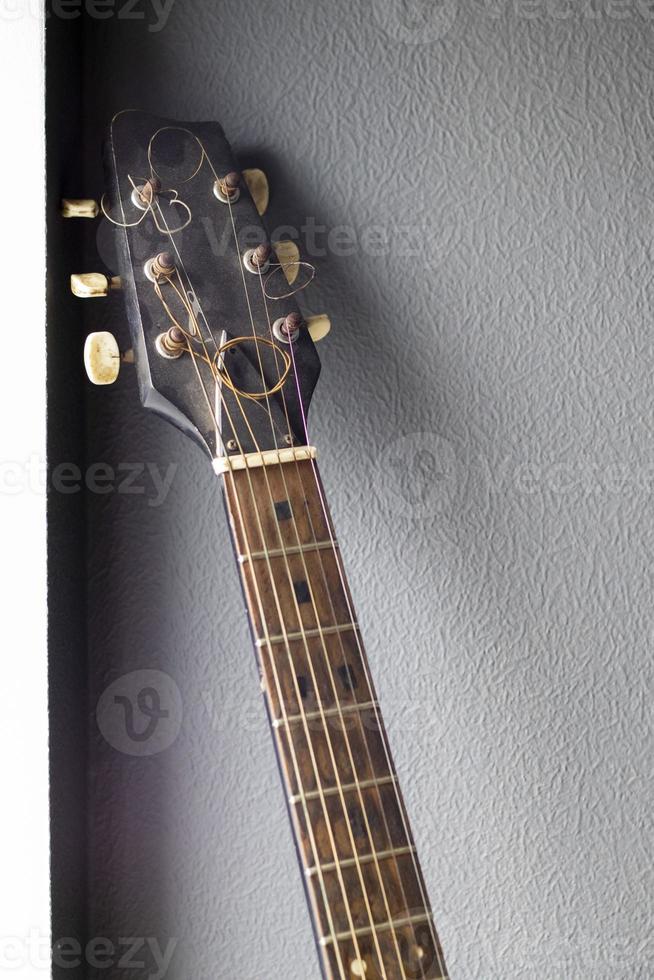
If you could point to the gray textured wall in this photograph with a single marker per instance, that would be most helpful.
(485, 422)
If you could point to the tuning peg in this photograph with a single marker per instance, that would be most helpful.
(102, 358)
(318, 326)
(79, 208)
(288, 256)
(258, 187)
(88, 285)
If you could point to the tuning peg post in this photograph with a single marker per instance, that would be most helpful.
(287, 329)
(90, 285)
(79, 208)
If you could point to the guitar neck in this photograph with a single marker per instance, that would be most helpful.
(366, 892)
(223, 352)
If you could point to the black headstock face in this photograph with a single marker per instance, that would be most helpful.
(209, 323)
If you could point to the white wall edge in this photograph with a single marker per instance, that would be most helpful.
(24, 820)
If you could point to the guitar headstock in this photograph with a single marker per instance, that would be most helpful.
(219, 343)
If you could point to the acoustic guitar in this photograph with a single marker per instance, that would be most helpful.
(222, 351)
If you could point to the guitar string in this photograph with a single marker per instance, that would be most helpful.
(370, 688)
(396, 789)
(358, 717)
(262, 615)
(298, 613)
(402, 809)
(338, 560)
(344, 729)
(298, 776)
(313, 601)
(282, 467)
(362, 656)
(301, 624)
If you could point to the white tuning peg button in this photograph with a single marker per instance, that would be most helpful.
(101, 358)
(258, 187)
(318, 326)
(288, 256)
(79, 208)
(88, 285)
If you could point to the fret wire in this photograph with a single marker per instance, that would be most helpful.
(365, 930)
(325, 713)
(384, 740)
(347, 788)
(293, 550)
(309, 633)
(391, 852)
(275, 595)
(339, 711)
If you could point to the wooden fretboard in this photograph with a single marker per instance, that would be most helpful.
(366, 892)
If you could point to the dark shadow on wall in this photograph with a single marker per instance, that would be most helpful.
(66, 523)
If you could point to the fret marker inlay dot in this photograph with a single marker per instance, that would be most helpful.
(302, 593)
(358, 968)
(302, 686)
(283, 510)
(356, 821)
(347, 676)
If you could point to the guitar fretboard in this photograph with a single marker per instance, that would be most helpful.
(366, 891)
